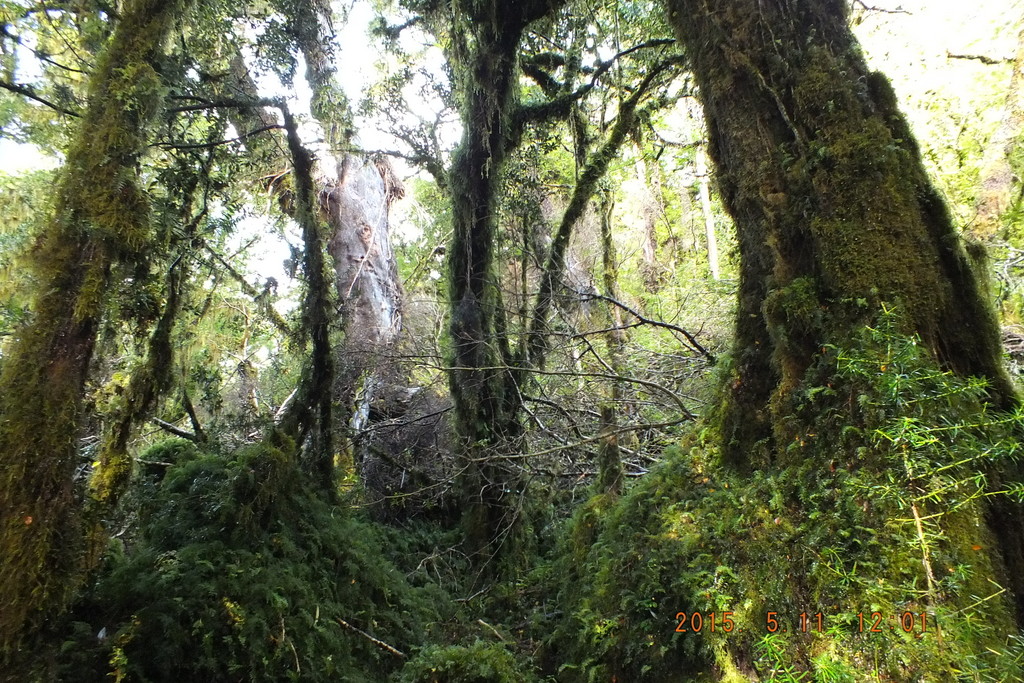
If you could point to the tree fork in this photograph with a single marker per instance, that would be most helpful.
(485, 399)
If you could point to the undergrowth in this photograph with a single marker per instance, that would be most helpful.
(861, 555)
(239, 570)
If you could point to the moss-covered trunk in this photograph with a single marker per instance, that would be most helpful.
(486, 35)
(480, 388)
(100, 222)
(834, 216)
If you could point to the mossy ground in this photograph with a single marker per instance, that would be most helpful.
(239, 570)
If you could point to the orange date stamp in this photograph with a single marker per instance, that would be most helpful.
(915, 623)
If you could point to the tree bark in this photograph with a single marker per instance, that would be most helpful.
(366, 276)
(834, 214)
(825, 182)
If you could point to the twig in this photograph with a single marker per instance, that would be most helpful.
(493, 630)
(869, 8)
(474, 595)
(379, 643)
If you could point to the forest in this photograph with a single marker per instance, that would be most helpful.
(496, 341)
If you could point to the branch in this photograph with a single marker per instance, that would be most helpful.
(29, 92)
(379, 643)
(687, 414)
(554, 267)
(197, 427)
(864, 6)
(560, 105)
(980, 58)
(218, 143)
(658, 323)
(257, 296)
(229, 103)
(177, 431)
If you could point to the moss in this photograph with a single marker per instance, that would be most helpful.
(240, 569)
(878, 436)
(99, 218)
(478, 663)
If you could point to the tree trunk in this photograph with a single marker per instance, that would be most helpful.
(367, 281)
(482, 384)
(704, 191)
(824, 180)
(356, 205)
(101, 222)
(652, 210)
(609, 467)
(834, 216)
(480, 389)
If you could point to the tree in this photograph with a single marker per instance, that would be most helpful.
(100, 223)
(997, 179)
(487, 37)
(835, 217)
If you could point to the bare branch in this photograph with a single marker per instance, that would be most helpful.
(29, 92)
(657, 323)
(177, 431)
(984, 59)
(869, 8)
(379, 643)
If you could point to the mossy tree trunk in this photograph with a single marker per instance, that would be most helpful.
(610, 473)
(834, 216)
(486, 35)
(98, 230)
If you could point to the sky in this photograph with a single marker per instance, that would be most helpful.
(917, 32)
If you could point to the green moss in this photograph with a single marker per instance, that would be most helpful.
(100, 218)
(241, 570)
(874, 504)
(478, 663)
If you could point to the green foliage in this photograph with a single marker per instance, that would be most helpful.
(24, 203)
(477, 663)
(875, 506)
(240, 571)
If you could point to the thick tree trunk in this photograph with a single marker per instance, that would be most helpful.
(100, 222)
(823, 178)
(834, 216)
(367, 281)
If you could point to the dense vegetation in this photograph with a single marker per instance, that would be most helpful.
(465, 367)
